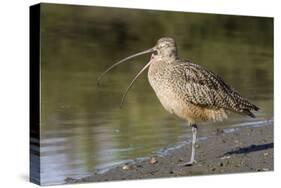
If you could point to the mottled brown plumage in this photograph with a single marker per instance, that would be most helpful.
(188, 90)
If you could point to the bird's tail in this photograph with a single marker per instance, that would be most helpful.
(248, 111)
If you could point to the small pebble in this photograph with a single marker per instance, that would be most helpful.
(225, 157)
(153, 160)
(265, 154)
(180, 160)
(126, 167)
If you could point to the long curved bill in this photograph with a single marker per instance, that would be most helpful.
(151, 50)
(132, 82)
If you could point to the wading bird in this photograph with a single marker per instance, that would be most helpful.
(188, 90)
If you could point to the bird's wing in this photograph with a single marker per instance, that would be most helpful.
(205, 88)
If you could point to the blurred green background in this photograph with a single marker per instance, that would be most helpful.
(82, 127)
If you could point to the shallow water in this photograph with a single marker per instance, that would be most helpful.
(82, 127)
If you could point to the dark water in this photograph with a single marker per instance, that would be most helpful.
(82, 127)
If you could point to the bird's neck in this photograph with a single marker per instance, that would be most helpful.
(163, 58)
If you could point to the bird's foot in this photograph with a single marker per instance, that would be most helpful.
(190, 163)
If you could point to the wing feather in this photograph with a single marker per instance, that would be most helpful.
(207, 89)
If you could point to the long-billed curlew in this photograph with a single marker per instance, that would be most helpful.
(188, 90)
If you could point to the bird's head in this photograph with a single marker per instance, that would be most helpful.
(165, 49)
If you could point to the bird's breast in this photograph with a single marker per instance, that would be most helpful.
(158, 77)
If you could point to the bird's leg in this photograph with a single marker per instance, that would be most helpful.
(192, 158)
(194, 135)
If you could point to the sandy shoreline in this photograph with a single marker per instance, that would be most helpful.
(249, 149)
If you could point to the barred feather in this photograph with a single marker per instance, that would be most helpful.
(205, 88)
